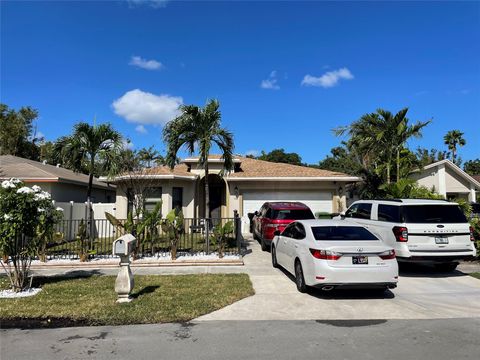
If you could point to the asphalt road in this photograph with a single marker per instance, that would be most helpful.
(322, 339)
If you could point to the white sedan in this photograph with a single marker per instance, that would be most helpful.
(328, 254)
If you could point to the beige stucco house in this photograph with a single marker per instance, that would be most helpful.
(448, 179)
(245, 189)
(63, 185)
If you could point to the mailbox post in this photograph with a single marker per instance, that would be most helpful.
(123, 247)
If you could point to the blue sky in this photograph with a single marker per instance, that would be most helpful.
(285, 73)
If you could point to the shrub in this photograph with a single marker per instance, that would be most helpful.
(27, 223)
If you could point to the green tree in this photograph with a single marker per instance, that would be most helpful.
(452, 139)
(472, 167)
(149, 156)
(280, 156)
(17, 133)
(426, 157)
(199, 128)
(382, 136)
(87, 147)
(341, 160)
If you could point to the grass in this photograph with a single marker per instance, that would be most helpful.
(91, 300)
(476, 275)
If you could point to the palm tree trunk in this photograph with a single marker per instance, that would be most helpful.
(388, 171)
(207, 192)
(398, 164)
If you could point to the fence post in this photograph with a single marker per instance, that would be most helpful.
(207, 235)
(238, 230)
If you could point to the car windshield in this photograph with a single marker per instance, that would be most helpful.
(433, 214)
(341, 233)
(292, 214)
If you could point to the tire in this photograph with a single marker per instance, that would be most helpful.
(274, 257)
(446, 267)
(299, 278)
(263, 244)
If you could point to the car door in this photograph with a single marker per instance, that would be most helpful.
(282, 247)
(360, 213)
(294, 244)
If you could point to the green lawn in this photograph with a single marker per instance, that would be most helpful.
(91, 300)
(475, 275)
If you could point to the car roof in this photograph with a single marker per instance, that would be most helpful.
(283, 205)
(327, 222)
(400, 202)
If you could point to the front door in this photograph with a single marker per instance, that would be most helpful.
(215, 202)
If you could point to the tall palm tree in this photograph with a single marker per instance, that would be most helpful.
(198, 129)
(381, 136)
(149, 156)
(87, 148)
(452, 139)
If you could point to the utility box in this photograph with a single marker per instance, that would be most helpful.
(124, 245)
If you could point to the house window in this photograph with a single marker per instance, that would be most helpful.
(152, 197)
(177, 198)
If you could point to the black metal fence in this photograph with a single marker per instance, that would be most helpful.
(78, 238)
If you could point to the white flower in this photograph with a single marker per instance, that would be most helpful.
(7, 216)
(41, 210)
(42, 196)
(36, 188)
(24, 190)
(59, 209)
(7, 184)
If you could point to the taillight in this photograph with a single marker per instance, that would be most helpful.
(387, 255)
(401, 233)
(472, 238)
(325, 254)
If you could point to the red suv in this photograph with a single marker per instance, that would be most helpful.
(276, 216)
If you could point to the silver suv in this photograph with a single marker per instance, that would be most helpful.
(428, 231)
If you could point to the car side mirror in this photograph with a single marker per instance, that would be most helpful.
(276, 232)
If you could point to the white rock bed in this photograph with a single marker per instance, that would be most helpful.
(153, 259)
(10, 294)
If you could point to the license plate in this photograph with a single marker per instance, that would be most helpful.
(441, 240)
(358, 260)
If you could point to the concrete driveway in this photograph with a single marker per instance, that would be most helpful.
(421, 294)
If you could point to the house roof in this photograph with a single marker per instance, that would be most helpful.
(249, 169)
(456, 169)
(476, 177)
(34, 171)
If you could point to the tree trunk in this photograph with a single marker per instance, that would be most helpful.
(89, 209)
(207, 193)
(398, 165)
(454, 155)
(388, 172)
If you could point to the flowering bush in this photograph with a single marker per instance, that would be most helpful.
(27, 221)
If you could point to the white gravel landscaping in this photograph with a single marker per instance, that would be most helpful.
(10, 294)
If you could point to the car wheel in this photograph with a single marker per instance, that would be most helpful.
(446, 267)
(264, 245)
(299, 278)
(274, 257)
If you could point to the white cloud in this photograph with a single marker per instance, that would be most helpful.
(156, 4)
(145, 64)
(141, 129)
(141, 107)
(329, 79)
(271, 82)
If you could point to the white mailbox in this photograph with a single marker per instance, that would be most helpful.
(124, 245)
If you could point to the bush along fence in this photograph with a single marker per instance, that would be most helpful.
(161, 237)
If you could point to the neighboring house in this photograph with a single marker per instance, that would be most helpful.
(448, 179)
(245, 189)
(63, 185)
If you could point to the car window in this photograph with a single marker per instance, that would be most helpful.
(351, 210)
(268, 213)
(292, 214)
(389, 213)
(288, 231)
(433, 214)
(359, 211)
(341, 233)
(298, 231)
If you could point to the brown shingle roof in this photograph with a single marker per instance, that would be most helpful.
(30, 170)
(259, 168)
(476, 177)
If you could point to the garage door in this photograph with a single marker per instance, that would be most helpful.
(320, 201)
